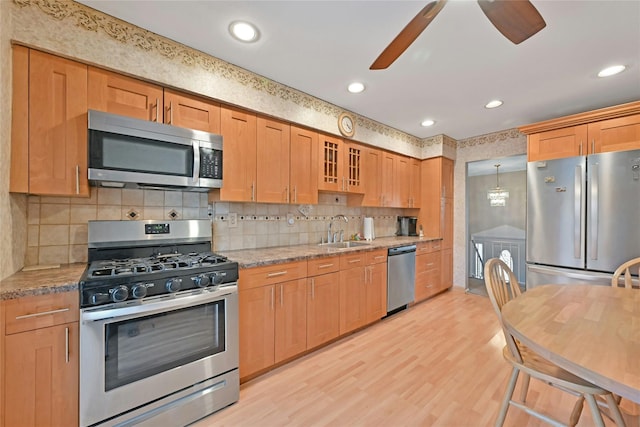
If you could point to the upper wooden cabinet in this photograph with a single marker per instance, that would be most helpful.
(609, 129)
(119, 94)
(49, 128)
(372, 176)
(401, 173)
(273, 145)
(436, 208)
(415, 168)
(303, 166)
(127, 96)
(340, 165)
(238, 128)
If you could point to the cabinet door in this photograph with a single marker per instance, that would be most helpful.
(558, 143)
(303, 166)
(57, 126)
(446, 222)
(323, 309)
(41, 373)
(273, 142)
(19, 178)
(372, 177)
(388, 165)
(352, 299)
(257, 323)
(447, 177)
(401, 182)
(291, 319)
(431, 189)
(238, 130)
(331, 158)
(414, 183)
(618, 134)
(189, 111)
(352, 169)
(118, 94)
(428, 276)
(446, 269)
(376, 298)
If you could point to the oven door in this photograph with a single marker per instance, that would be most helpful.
(131, 355)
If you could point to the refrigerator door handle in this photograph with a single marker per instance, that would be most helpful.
(577, 213)
(593, 222)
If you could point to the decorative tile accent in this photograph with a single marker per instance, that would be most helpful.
(133, 214)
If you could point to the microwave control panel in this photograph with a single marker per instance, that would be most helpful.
(210, 163)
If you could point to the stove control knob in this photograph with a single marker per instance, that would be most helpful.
(173, 285)
(201, 281)
(139, 290)
(119, 293)
(217, 277)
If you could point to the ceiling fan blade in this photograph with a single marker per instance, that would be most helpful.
(517, 20)
(408, 35)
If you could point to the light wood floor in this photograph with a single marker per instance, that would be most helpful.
(439, 363)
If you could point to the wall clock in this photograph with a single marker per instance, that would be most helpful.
(347, 124)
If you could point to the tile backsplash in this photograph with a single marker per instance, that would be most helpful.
(57, 226)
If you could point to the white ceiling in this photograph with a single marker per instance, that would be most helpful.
(458, 64)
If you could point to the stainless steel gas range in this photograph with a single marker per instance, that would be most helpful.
(158, 325)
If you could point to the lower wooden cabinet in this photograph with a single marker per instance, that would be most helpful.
(323, 309)
(40, 352)
(291, 319)
(428, 270)
(376, 286)
(257, 329)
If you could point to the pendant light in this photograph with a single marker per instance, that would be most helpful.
(497, 196)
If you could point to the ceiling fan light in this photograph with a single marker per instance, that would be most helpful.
(493, 104)
(355, 87)
(244, 31)
(427, 123)
(611, 71)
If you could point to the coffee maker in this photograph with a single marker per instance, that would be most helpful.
(407, 226)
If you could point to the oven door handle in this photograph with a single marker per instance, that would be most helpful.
(159, 305)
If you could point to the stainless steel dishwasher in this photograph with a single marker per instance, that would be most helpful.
(401, 277)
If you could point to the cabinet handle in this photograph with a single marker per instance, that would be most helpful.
(295, 194)
(325, 266)
(313, 288)
(279, 273)
(66, 345)
(281, 296)
(378, 257)
(42, 313)
(77, 179)
(157, 110)
(354, 261)
(171, 113)
(272, 299)
(253, 191)
(286, 194)
(593, 146)
(580, 149)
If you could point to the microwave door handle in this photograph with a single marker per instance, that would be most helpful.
(196, 162)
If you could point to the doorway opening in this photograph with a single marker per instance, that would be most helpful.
(496, 217)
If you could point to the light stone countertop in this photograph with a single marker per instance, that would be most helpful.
(66, 277)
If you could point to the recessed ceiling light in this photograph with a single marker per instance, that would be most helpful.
(610, 71)
(244, 31)
(493, 104)
(355, 87)
(427, 123)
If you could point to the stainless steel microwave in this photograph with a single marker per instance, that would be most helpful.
(133, 153)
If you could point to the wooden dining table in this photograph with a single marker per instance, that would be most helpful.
(591, 331)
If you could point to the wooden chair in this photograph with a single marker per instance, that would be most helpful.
(502, 286)
(626, 270)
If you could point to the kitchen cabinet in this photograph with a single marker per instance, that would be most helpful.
(272, 319)
(352, 292)
(272, 176)
(375, 285)
(401, 173)
(372, 177)
(127, 96)
(415, 197)
(428, 270)
(41, 361)
(614, 128)
(388, 167)
(340, 165)
(239, 133)
(49, 125)
(303, 166)
(323, 301)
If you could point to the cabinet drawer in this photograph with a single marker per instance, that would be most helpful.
(356, 259)
(324, 265)
(41, 311)
(376, 257)
(428, 247)
(429, 261)
(270, 274)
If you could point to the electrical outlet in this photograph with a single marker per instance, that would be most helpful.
(233, 220)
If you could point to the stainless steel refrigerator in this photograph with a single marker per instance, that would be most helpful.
(583, 217)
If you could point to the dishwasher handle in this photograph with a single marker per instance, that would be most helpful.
(401, 250)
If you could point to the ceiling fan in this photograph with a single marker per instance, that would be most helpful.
(517, 20)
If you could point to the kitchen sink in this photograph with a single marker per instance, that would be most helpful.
(343, 245)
